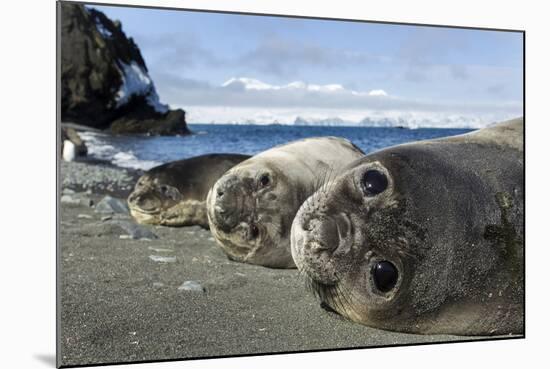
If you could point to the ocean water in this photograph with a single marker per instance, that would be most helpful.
(142, 152)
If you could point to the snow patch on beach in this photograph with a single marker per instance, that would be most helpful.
(99, 148)
(136, 82)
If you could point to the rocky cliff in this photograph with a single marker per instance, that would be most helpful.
(104, 79)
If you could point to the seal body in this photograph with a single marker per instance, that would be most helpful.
(174, 194)
(251, 207)
(424, 237)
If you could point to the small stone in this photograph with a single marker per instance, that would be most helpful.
(158, 249)
(135, 231)
(67, 191)
(158, 284)
(111, 205)
(163, 259)
(124, 237)
(87, 201)
(84, 216)
(105, 218)
(192, 286)
(66, 199)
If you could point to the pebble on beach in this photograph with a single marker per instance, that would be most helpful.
(163, 259)
(111, 205)
(134, 231)
(69, 200)
(191, 286)
(76, 199)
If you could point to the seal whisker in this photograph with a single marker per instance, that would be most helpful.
(347, 296)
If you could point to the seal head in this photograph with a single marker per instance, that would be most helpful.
(153, 194)
(422, 238)
(251, 208)
(174, 194)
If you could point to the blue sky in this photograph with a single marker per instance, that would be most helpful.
(417, 69)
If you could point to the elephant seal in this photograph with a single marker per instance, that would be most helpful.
(251, 207)
(425, 237)
(174, 194)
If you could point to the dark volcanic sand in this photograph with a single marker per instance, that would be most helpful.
(119, 305)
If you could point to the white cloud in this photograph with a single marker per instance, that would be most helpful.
(243, 99)
(247, 84)
(249, 92)
(378, 93)
(254, 84)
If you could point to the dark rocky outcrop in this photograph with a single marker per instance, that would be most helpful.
(104, 79)
(138, 118)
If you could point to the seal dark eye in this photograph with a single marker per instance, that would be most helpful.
(254, 231)
(385, 275)
(264, 180)
(163, 188)
(374, 182)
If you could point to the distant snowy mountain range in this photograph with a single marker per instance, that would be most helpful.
(296, 117)
(303, 104)
(198, 115)
(411, 122)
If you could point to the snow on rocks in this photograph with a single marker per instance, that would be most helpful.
(136, 82)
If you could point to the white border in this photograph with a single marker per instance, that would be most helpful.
(28, 181)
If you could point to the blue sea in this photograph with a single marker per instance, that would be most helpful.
(142, 152)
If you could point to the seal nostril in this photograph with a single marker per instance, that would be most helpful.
(343, 225)
(220, 193)
(329, 233)
(326, 239)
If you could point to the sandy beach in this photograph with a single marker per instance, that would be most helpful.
(142, 293)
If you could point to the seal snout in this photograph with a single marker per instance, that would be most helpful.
(317, 239)
(326, 233)
(143, 202)
(226, 205)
